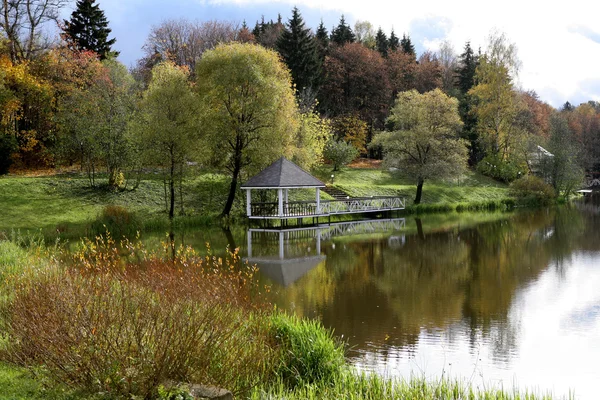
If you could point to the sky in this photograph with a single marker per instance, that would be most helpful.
(558, 43)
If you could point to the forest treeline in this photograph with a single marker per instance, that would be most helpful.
(234, 97)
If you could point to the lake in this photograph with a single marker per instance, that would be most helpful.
(502, 299)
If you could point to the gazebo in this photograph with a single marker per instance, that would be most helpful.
(282, 176)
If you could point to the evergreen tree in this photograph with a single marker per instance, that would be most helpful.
(342, 33)
(322, 38)
(394, 42)
(381, 42)
(407, 46)
(466, 70)
(88, 28)
(465, 81)
(299, 51)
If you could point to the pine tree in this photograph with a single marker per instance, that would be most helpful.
(88, 28)
(299, 51)
(465, 81)
(394, 42)
(381, 42)
(322, 37)
(342, 33)
(466, 70)
(407, 46)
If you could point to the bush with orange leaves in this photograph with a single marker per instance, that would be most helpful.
(124, 321)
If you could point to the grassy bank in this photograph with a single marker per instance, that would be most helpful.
(65, 204)
(472, 187)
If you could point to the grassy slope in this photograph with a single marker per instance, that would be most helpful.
(471, 187)
(52, 202)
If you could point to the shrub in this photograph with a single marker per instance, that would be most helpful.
(494, 166)
(309, 353)
(126, 325)
(118, 221)
(532, 190)
(339, 153)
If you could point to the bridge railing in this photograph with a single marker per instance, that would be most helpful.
(327, 207)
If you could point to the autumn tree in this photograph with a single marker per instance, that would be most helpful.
(342, 33)
(351, 129)
(425, 141)
(402, 71)
(298, 49)
(88, 29)
(166, 126)
(428, 75)
(249, 111)
(356, 82)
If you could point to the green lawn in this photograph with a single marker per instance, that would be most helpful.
(471, 187)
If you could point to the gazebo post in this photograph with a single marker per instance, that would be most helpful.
(318, 201)
(280, 199)
(248, 202)
(286, 196)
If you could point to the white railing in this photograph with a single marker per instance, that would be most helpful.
(358, 205)
(361, 227)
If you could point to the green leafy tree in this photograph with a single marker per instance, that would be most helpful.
(166, 126)
(342, 33)
(339, 153)
(406, 45)
(97, 117)
(564, 168)
(250, 114)
(381, 42)
(310, 139)
(88, 28)
(298, 49)
(497, 105)
(394, 42)
(425, 142)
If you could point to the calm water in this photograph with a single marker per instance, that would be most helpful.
(496, 299)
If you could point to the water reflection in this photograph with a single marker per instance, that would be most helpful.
(511, 300)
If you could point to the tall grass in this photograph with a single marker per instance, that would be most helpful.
(360, 386)
(123, 321)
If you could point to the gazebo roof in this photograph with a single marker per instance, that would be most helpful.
(282, 174)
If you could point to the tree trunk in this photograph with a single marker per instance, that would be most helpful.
(172, 190)
(232, 189)
(419, 190)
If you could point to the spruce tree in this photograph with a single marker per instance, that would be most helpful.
(465, 81)
(407, 46)
(299, 51)
(88, 28)
(466, 70)
(394, 42)
(381, 42)
(322, 37)
(342, 33)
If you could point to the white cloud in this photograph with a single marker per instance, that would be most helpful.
(555, 43)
